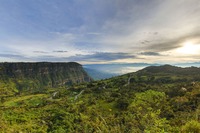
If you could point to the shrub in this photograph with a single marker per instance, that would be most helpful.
(191, 127)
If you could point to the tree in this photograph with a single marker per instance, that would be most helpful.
(146, 108)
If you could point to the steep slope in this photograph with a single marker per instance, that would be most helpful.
(43, 74)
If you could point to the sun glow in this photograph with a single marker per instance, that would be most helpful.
(189, 48)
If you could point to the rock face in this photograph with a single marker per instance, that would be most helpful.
(43, 74)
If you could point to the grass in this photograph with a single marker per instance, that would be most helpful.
(25, 100)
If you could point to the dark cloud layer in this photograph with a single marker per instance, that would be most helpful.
(101, 56)
(13, 56)
(41, 52)
(55, 51)
(60, 51)
(150, 54)
(170, 44)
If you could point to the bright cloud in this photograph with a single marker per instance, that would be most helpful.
(91, 31)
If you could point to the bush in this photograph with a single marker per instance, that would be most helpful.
(123, 103)
(191, 127)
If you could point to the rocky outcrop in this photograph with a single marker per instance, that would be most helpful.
(43, 73)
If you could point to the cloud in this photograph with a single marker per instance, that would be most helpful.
(42, 30)
(93, 33)
(162, 25)
(40, 52)
(170, 44)
(14, 56)
(150, 54)
(164, 46)
(60, 51)
(102, 56)
(96, 57)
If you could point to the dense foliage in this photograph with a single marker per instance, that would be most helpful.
(145, 101)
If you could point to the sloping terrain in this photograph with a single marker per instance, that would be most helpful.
(153, 100)
(33, 77)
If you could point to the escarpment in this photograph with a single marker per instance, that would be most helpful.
(35, 75)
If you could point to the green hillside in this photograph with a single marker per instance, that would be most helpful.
(37, 77)
(153, 100)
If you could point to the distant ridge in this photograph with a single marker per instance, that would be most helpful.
(171, 69)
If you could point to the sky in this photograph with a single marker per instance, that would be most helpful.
(100, 31)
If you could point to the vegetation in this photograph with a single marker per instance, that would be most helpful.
(146, 101)
(32, 76)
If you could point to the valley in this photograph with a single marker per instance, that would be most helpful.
(99, 66)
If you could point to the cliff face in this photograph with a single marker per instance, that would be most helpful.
(43, 74)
